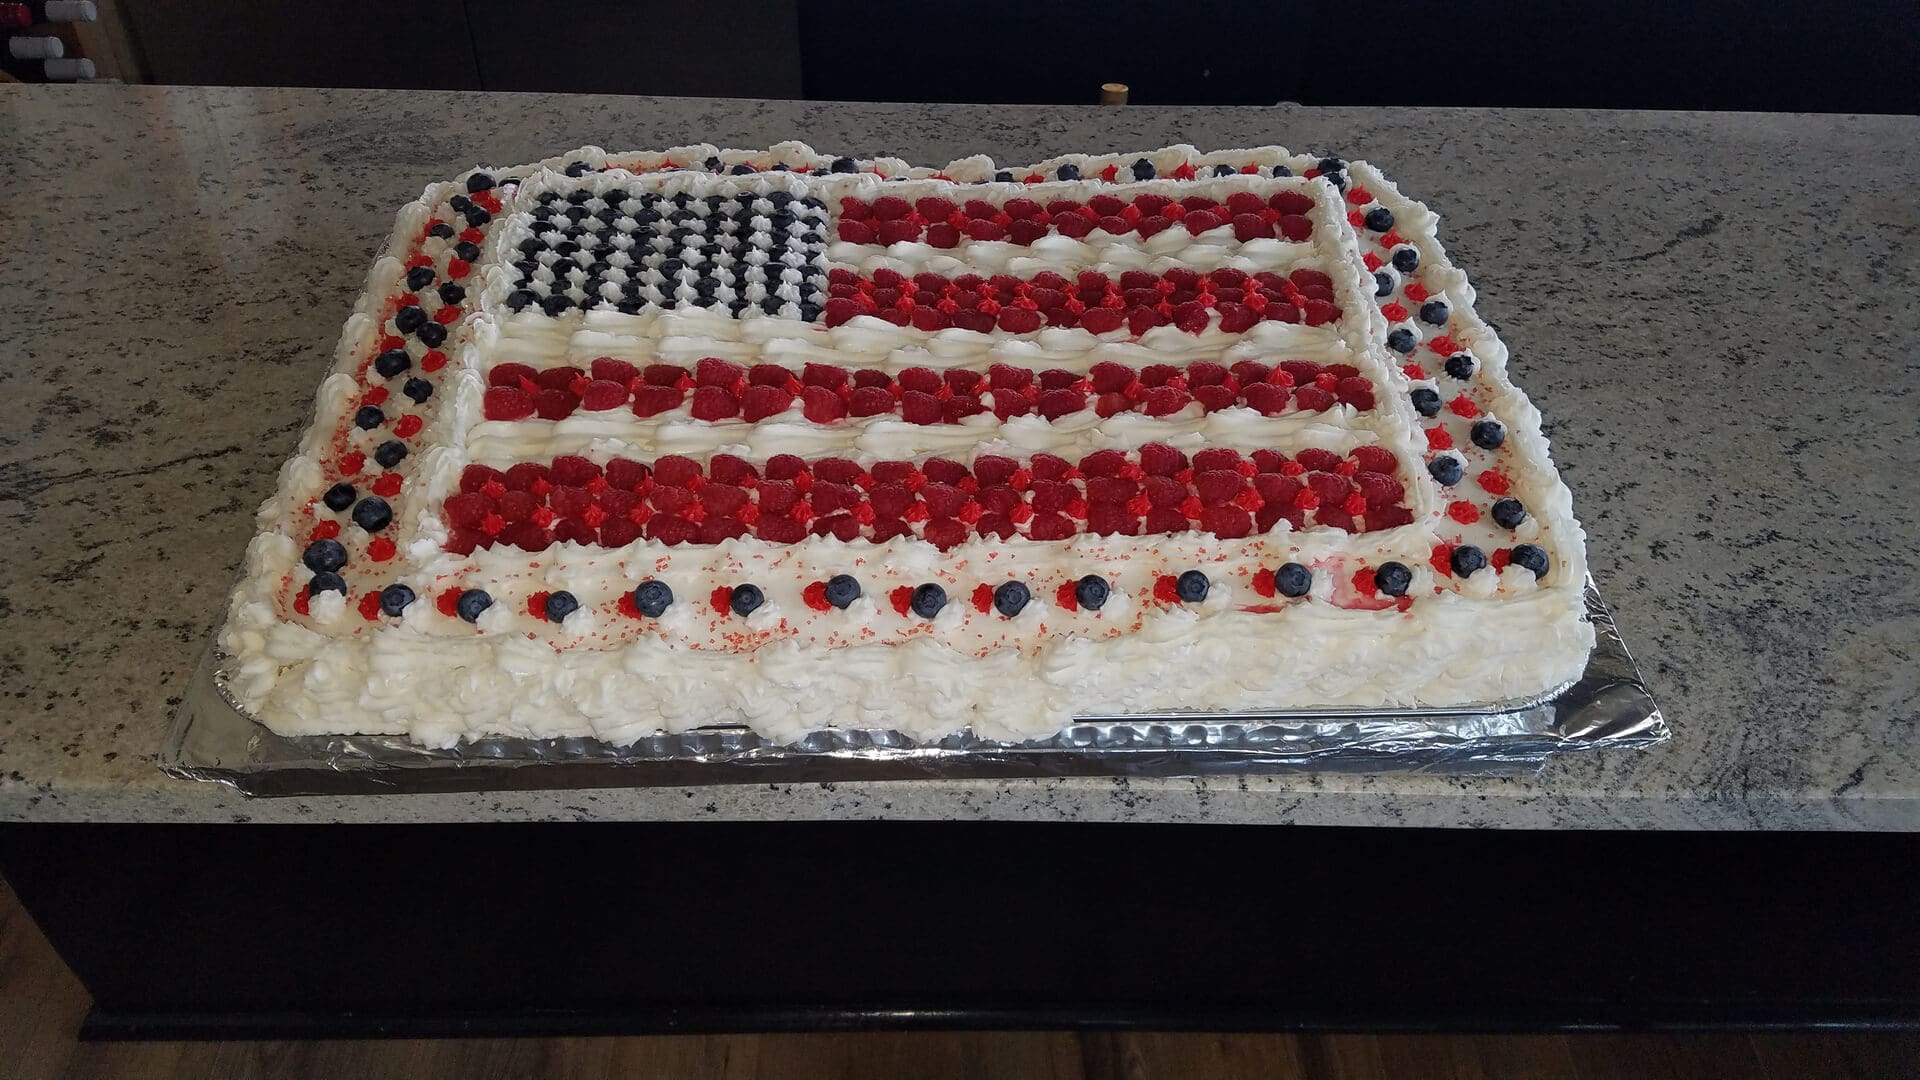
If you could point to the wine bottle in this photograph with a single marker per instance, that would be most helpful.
(56, 69)
(35, 48)
(19, 14)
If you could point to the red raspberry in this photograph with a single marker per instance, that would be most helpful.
(511, 375)
(1375, 459)
(1268, 461)
(1330, 489)
(1048, 467)
(1320, 313)
(1103, 463)
(1164, 401)
(714, 403)
(1294, 227)
(1237, 318)
(713, 371)
(1356, 392)
(1163, 491)
(1379, 489)
(675, 470)
(1108, 377)
(919, 408)
(1111, 489)
(1058, 379)
(1227, 522)
(767, 375)
(891, 207)
(776, 497)
(944, 471)
(1217, 486)
(1314, 459)
(825, 375)
(871, 401)
(654, 400)
(1051, 526)
(896, 232)
(1054, 404)
(1276, 488)
(507, 403)
(934, 208)
(663, 374)
(993, 468)
(890, 500)
(467, 509)
(777, 529)
(1200, 221)
(1008, 377)
(829, 497)
(985, 230)
(1165, 519)
(1025, 232)
(1335, 517)
(1112, 519)
(1159, 459)
(720, 499)
(1073, 226)
(1020, 320)
(943, 236)
(855, 232)
(821, 405)
(604, 367)
(573, 470)
(1313, 399)
(475, 477)
(556, 404)
(977, 321)
(624, 474)
(601, 395)
(1267, 399)
(836, 470)
(961, 406)
(943, 500)
(1215, 398)
(524, 476)
(762, 401)
(945, 533)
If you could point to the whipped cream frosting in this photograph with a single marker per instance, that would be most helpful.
(321, 664)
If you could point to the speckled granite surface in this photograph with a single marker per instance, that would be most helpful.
(1716, 313)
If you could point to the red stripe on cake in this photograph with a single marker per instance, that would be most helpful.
(1157, 489)
(719, 390)
(947, 223)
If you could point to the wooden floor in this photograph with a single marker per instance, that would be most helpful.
(41, 1005)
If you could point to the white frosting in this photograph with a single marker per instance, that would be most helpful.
(787, 668)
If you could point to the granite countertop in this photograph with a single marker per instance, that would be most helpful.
(1715, 312)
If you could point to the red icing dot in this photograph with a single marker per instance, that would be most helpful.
(815, 596)
(370, 606)
(1499, 558)
(326, 530)
(1414, 371)
(1464, 406)
(408, 426)
(375, 396)
(1416, 292)
(1363, 583)
(1495, 482)
(1167, 589)
(458, 268)
(1445, 346)
(1442, 559)
(448, 602)
(983, 598)
(1394, 312)
(381, 549)
(432, 360)
(387, 486)
(1438, 439)
(449, 314)
(1463, 512)
(722, 600)
(1374, 262)
(902, 598)
(1263, 581)
(1065, 596)
(1359, 196)
(351, 464)
(626, 607)
(537, 605)
(300, 601)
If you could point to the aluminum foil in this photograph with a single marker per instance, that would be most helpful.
(213, 739)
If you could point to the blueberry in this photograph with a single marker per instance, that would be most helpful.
(369, 417)
(477, 217)
(781, 167)
(1010, 598)
(1488, 434)
(742, 169)
(339, 496)
(327, 581)
(1401, 340)
(844, 165)
(1406, 259)
(652, 598)
(432, 335)
(712, 164)
(560, 605)
(1143, 169)
(395, 598)
(745, 599)
(390, 453)
(1224, 170)
(1531, 557)
(1462, 366)
(927, 600)
(392, 362)
(1382, 283)
(1508, 513)
(460, 203)
(451, 294)
(372, 513)
(577, 169)
(1445, 469)
(1091, 592)
(1282, 170)
(1329, 164)
(1393, 578)
(466, 252)
(324, 556)
(442, 230)
(1425, 401)
(419, 278)
(842, 590)
(1192, 586)
(1435, 312)
(1068, 172)
(1293, 580)
(417, 389)
(409, 318)
(479, 182)
(1003, 177)
(1466, 559)
(556, 303)
(1380, 219)
(472, 603)
(1337, 178)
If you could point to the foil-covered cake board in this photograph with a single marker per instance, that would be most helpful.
(1609, 706)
